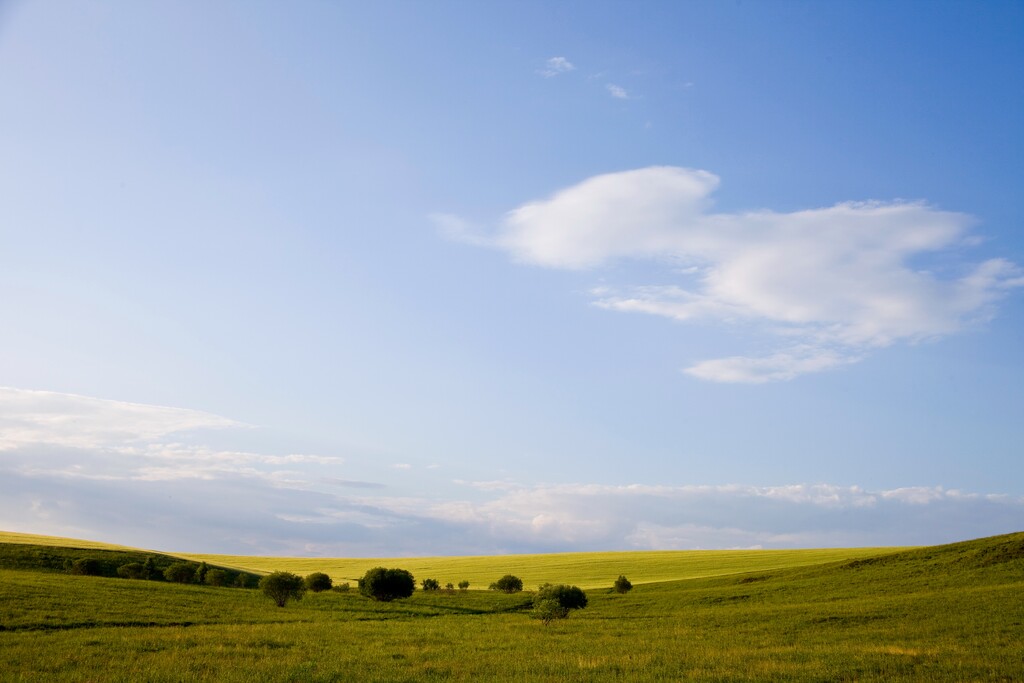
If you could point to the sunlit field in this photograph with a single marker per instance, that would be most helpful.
(587, 570)
(944, 613)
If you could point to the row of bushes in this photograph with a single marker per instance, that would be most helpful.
(550, 602)
(178, 572)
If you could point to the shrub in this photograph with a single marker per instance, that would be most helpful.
(217, 577)
(387, 584)
(548, 610)
(449, 587)
(569, 597)
(463, 585)
(431, 585)
(622, 585)
(282, 586)
(180, 572)
(132, 570)
(318, 582)
(200, 576)
(555, 602)
(149, 567)
(508, 584)
(343, 587)
(86, 566)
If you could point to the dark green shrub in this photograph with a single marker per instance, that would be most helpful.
(555, 602)
(387, 584)
(569, 597)
(282, 586)
(431, 585)
(200, 576)
(318, 582)
(217, 577)
(343, 587)
(132, 570)
(449, 587)
(463, 585)
(150, 570)
(180, 572)
(622, 585)
(86, 566)
(508, 584)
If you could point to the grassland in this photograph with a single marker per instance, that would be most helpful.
(952, 613)
(587, 570)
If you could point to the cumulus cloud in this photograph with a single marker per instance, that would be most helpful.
(830, 283)
(556, 66)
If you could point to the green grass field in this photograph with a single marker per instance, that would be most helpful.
(587, 570)
(947, 613)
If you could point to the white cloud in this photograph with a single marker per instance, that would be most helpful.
(45, 433)
(45, 417)
(832, 283)
(556, 66)
(616, 91)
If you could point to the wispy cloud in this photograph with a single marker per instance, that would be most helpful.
(617, 91)
(556, 66)
(45, 433)
(830, 283)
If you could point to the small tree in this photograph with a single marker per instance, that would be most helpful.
(149, 567)
(622, 585)
(449, 587)
(430, 584)
(318, 582)
(547, 610)
(555, 602)
(463, 585)
(132, 570)
(387, 584)
(217, 577)
(282, 586)
(508, 584)
(86, 566)
(343, 587)
(180, 572)
(200, 576)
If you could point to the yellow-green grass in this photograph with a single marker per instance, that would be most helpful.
(950, 613)
(587, 570)
(59, 541)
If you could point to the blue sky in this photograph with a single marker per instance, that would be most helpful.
(402, 278)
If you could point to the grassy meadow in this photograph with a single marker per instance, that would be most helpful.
(587, 570)
(951, 613)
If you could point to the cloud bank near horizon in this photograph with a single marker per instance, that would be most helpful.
(831, 284)
(133, 474)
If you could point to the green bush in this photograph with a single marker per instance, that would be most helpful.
(555, 602)
(180, 572)
(387, 584)
(622, 585)
(132, 570)
(463, 585)
(569, 597)
(508, 584)
(431, 585)
(318, 582)
(548, 610)
(217, 577)
(282, 586)
(86, 566)
(343, 587)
